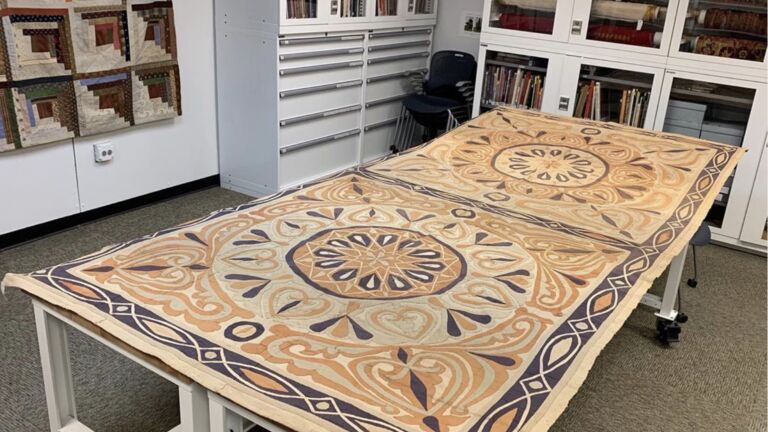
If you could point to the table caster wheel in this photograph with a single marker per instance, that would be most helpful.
(693, 283)
(667, 332)
(681, 318)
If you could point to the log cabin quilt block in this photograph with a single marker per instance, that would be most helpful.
(71, 68)
(466, 285)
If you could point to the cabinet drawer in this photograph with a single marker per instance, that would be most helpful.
(379, 88)
(384, 109)
(301, 164)
(302, 101)
(397, 63)
(390, 37)
(378, 140)
(301, 77)
(317, 58)
(299, 130)
(320, 43)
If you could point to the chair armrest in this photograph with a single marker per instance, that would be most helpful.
(417, 81)
(467, 89)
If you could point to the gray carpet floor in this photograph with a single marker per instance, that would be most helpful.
(715, 380)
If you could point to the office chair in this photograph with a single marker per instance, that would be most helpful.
(702, 238)
(441, 102)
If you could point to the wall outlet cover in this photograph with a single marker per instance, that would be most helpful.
(103, 152)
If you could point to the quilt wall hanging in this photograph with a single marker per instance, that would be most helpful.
(71, 68)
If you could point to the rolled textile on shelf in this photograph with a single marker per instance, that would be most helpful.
(724, 19)
(529, 23)
(624, 35)
(626, 11)
(743, 49)
(539, 5)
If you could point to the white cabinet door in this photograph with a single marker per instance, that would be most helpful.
(730, 34)
(349, 11)
(755, 230)
(635, 25)
(538, 19)
(386, 10)
(610, 91)
(517, 77)
(725, 110)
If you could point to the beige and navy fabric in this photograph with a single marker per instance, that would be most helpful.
(467, 285)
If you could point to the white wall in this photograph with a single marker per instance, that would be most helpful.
(49, 182)
(448, 35)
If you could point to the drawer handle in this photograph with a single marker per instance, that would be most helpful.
(391, 34)
(391, 59)
(320, 115)
(320, 88)
(399, 45)
(320, 68)
(385, 101)
(576, 27)
(304, 41)
(313, 54)
(397, 75)
(318, 141)
(380, 125)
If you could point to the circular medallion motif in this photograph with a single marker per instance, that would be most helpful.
(377, 263)
(550, 165)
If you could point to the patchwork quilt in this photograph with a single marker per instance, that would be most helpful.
(466, 285)
(71, 68)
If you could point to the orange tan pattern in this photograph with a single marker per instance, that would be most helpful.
(464, 286)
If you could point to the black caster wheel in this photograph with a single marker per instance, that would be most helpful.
(667, 332)
(681, 318)
(693, 283)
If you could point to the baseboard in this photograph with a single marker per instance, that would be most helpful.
(25, 235)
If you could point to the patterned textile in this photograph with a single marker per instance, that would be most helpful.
(467, 285)
(81, 67)
(742, 49)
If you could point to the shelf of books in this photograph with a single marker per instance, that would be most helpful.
(386, 8)
(714, 112)
(350, 9)
(613, 95)
(513, 80)
(301, 9)
(734, 29)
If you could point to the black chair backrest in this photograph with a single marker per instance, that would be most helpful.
(447, 69)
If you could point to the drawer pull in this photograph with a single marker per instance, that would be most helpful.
(319, 68)
(320, 115)
(314, 54)
(397, 58)
(397, 75)
(399, 45)
(314, 40)
(391, 34)
(320, 88)
(385, 101)
(318, 141)
(380, 125)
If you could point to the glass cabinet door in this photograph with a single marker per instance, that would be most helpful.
(727, 111)
(386, 9)
(599, 90)
(422, 8)
(300, 11)
(727, 29)
(638, 25)
(543, 19)
(348, 10)
(516, 79)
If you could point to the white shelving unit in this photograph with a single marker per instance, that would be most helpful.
(307, 88)
(671, 55)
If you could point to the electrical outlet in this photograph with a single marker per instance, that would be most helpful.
(103, 152)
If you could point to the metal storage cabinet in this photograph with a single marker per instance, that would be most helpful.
(307, 88)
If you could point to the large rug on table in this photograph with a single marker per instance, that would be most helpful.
(467, 285)
(71, 68)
